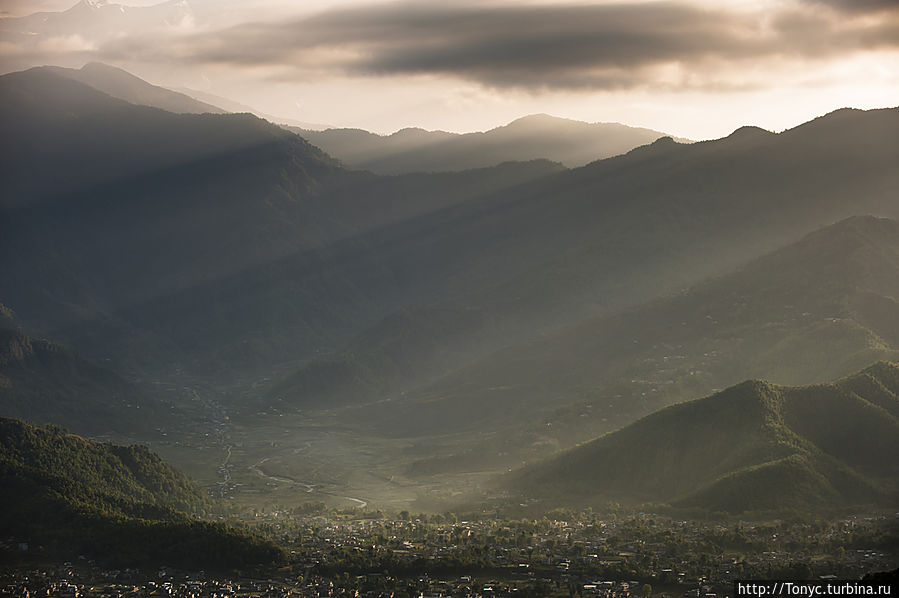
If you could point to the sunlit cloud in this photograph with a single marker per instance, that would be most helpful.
(858, 6)
(499, 51)
(65, 44)
(537, 47)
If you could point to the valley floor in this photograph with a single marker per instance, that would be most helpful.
(270, 460)
(336, 553)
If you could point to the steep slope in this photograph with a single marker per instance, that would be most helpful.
(223, 244)
(819, 308)
(631, 228)
(44, 382)
(123, 505)
(125, 86)
(73, 138)
(155, 239)
(130, 204)
(232, 106)
(755, 446)
(570, 142)
(623, 231)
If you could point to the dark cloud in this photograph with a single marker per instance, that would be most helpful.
(820, 35)
(605, 46)
(505, 45)
(526, 46)
(858, 6)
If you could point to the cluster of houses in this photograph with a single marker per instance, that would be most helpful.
(582, 557)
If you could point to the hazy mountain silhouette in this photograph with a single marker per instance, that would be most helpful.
(73, 137)
(130, 203)
(165, 236)
(226, 250)
(630, 228)
(47, 383)
(224, 242)
(570, 142)
(753, 447)
(404, 349)
(817, 309)
(125, 86)
(236, 107)
(44, 382)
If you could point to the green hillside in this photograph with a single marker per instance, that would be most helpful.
(753, 447)
(44, 382)
(120, 504)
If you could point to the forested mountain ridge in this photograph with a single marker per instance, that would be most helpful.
(73, 496)
(123, 479)
(176, 232)
(41, 381)
(753, 447)
(817, 309)
(221, 243)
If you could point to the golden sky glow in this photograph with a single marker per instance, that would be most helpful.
(693, 69)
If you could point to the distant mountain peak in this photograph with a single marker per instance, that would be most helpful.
(120, 84)
(539, 117)
(750, 132)
(865, 222)
(570, 142)
(861, 225)
(413, 133)
(542, 120)
(103, 67)
(661, 146)
(790, 439)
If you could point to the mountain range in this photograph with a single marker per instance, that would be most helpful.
(527, 304)
(228, 105)
(628, 229)
(207, 207)
(817, 309)
(753, 447)
(573, 143)
(134, 90)
(225, 239)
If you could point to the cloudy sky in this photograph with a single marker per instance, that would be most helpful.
(693, 68)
